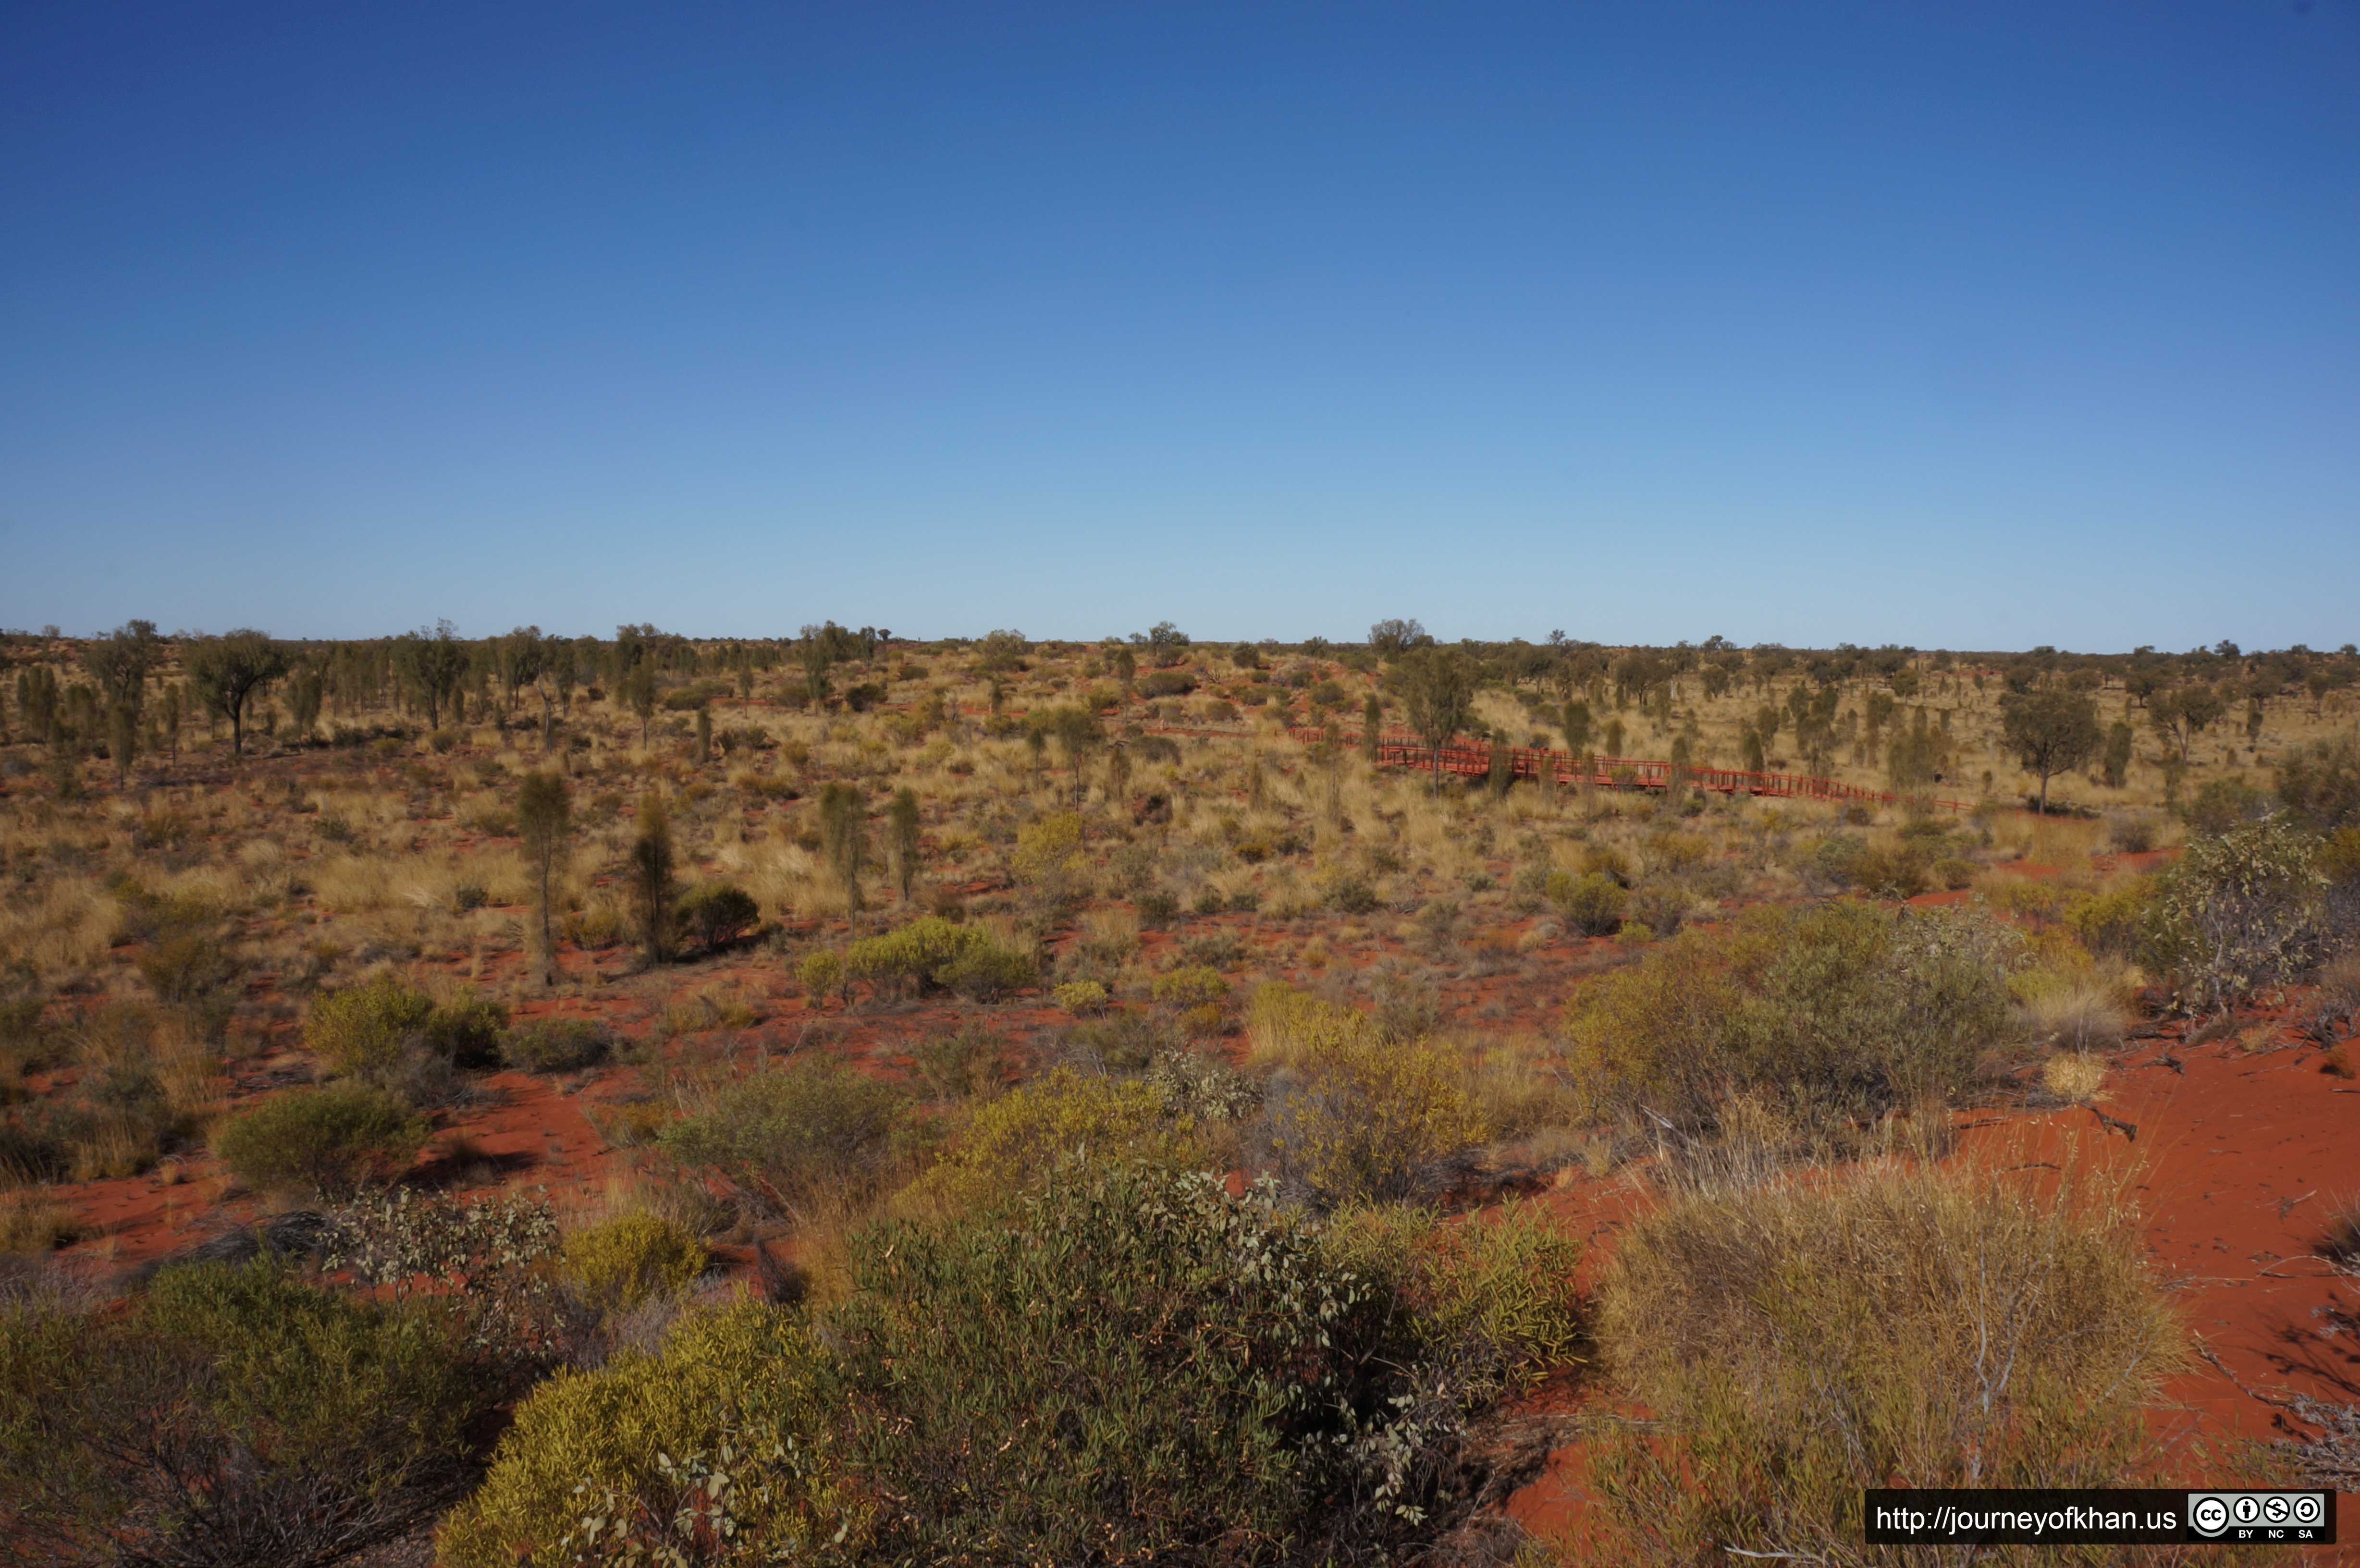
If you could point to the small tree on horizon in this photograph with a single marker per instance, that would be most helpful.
(2053, 729)
(1440, 697)
(225, 672)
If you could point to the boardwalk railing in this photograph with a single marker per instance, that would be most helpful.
(1472, 760)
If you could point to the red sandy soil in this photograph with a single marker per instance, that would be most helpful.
(2240, 1155)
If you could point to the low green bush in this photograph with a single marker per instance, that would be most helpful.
(623, 1262)
(785, 1136)
(1795, 1342)
(2239, 910)
(556, 1045)
(931, 952)
(716, 914)
(232, 1415)
(1166, 1372)
(1838, 1011)
(467, 1031)
(1591, 903)
(328, 1141)
(632, 1444)
(367, 1027)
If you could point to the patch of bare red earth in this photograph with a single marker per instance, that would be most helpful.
(2240, 1157)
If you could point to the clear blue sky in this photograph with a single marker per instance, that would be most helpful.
(1952, 324)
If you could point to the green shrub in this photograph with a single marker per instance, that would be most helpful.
(1351, 894)
(1190, 986)
(1797, 1342)
(784, 1136)
(467, 1031)
(931, 952)
(1591, 903)
(1166, 1372)
(2319, 783)
(819, 974)
(1493, 1295)
(367, 1027)
(1015, 1141)
(330, 1141)
(618, 1444)
(1840, 1010)
(1355, 1112)
(2238, 912)
(627, 1260)
(234, 1415)
(2223, 804)
(717, 914)
(556, 1045)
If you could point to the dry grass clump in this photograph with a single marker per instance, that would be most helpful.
(1801, 1340)
(2073, 1077)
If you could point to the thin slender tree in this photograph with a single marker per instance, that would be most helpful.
(651, 878)
(902, 840)
(544, 818)
(843, 839)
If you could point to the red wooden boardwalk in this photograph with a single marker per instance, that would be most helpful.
(1472, 760)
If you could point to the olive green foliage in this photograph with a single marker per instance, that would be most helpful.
(467, 1031)
(328, 1141)
(1017, 1140)
(785, 1136)
(2239, 912)
(2051, 729)
(2319, 783)
(1592, 903)
(1837, 1009)
(1355, 1112)
(934, 953)
(1049, 861)
(1797, 1343)
(716, 914)
(1130, 1366)
(649, 875)
(556, 1045)
(622, 1446)
(366, 1029)
(626, 1262)
(1493, 1295)
(233, 1415)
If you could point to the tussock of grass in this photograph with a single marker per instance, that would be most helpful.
(1801, 1340)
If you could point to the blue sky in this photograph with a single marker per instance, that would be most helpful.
(1974, 325)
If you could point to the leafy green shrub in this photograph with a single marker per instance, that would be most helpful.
(1168, 1373)
(2112, 924)
(1354, 1112)
(1799, 1341)
(819, 974)
(1190, 986)
(330, 1141)
(931, 952)
(556, 1045)
(1351, 894)
(1838, 1010)
(367, 1027)
(2319, 783)
(1953, 872)
(467, 1031)
(627, 1260)
(1493, 1296)
(234, 1415)
(2238, 912)
(2223, 804)
(615, 1445)
(716, 914)
(784, 1136)
(1661, 906)
(1018, 1139)
(1591, 903)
